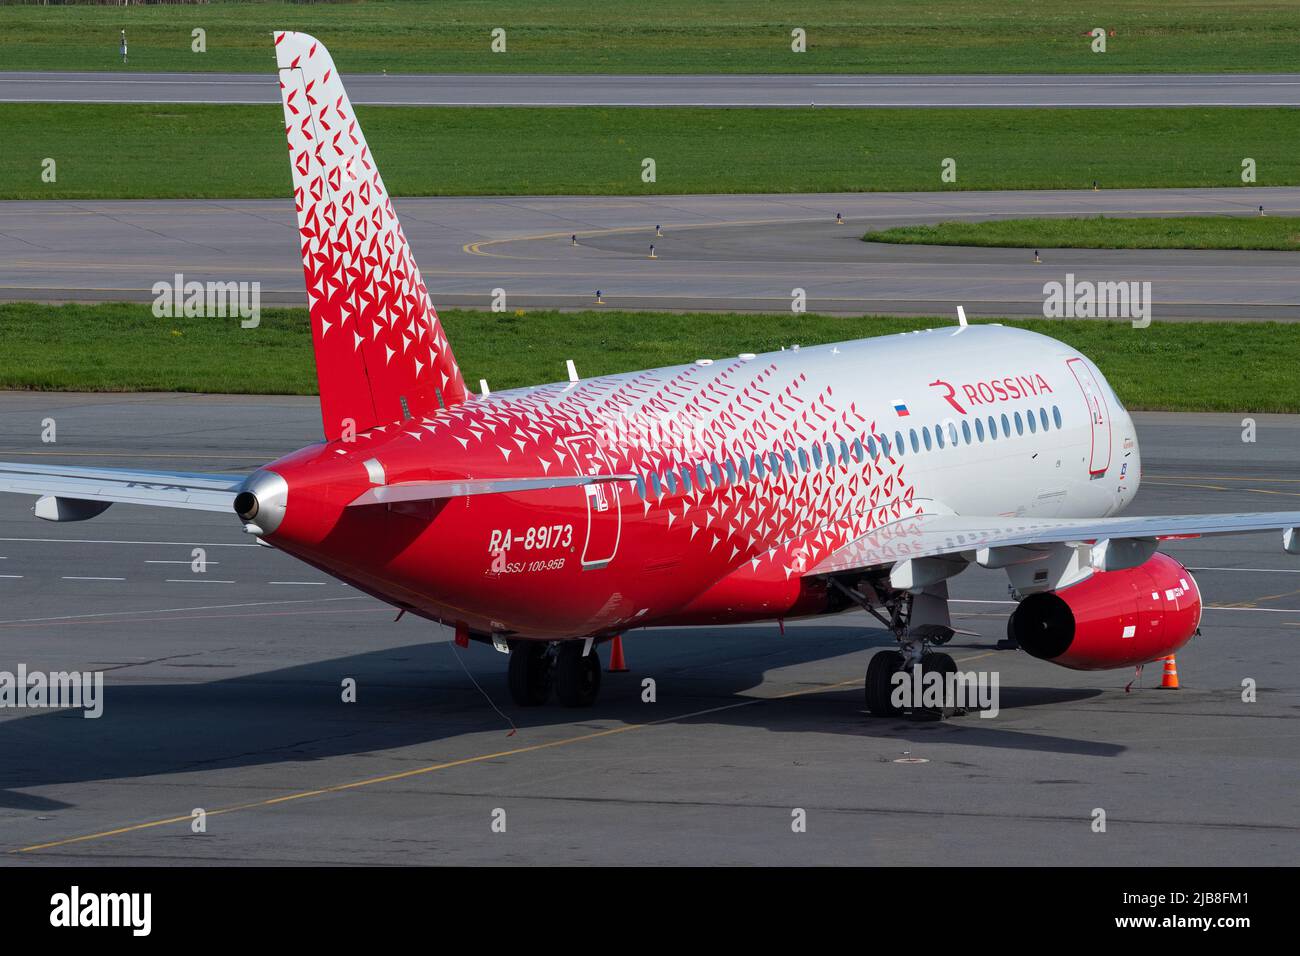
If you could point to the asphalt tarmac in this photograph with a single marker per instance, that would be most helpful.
(223, 693)
(728, 252)
(546, 89)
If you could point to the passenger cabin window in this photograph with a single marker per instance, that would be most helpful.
(1056, 416)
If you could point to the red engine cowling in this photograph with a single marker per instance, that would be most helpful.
(1113, 618)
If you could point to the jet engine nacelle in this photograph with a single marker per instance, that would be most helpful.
(1112, 618)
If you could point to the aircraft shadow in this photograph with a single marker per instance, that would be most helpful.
(419, 694)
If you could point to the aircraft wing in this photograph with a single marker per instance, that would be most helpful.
(932, 536)
(74, 494)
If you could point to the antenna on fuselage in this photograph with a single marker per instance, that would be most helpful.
(961, 316)
(484, 391)
(573, 372)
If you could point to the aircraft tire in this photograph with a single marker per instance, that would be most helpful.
(577, 678)
(877, 687)
(530, 673)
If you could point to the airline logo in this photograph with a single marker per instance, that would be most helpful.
(900, 408)
(994, 390)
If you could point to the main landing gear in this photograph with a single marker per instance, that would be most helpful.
(919, 622)
(537, 668)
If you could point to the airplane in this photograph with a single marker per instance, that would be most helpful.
(547, 520)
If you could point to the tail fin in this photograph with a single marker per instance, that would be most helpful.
(381, 354)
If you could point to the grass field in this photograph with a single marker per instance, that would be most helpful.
(218, 151)
(122, 347)
(672, 36)
(1191, 232)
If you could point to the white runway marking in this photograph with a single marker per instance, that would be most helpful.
(196, 581)
(1253, 570)
(1269, 610)
(1207, 607)
(316, 583)
(77, 577)
(178, 562)
(184, 544)
(172, 610)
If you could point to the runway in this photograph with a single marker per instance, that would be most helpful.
(223, 693)
(728, 252)
(775, 90)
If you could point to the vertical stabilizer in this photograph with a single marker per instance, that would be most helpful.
(381, 354)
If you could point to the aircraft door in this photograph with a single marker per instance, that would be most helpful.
(1099, 459)
(604, 516)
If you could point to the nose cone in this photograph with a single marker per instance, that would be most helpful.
(261, 502)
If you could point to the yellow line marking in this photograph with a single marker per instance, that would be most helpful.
(1187, 484)
(1295, 481)
(475, 248)
(1266, 597)
(446, 765)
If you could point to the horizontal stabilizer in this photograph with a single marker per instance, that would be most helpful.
(74, 494)
(459, 488)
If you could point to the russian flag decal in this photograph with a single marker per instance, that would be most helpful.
(900, 408)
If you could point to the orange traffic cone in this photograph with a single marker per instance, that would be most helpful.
(617, 665)
(1170, 679)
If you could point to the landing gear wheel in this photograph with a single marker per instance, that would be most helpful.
(529, 673)
(577, 678)
(1009, 643)
(877, 687)
(944, 665)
